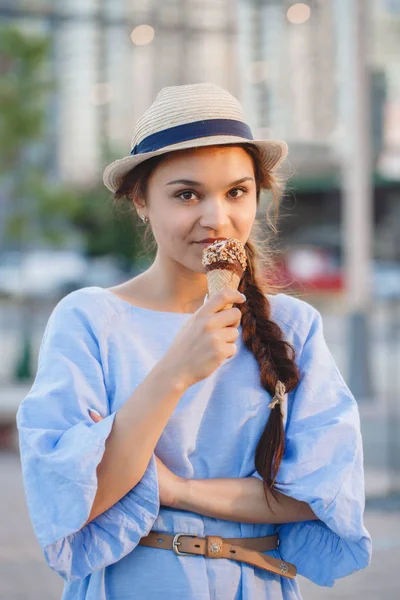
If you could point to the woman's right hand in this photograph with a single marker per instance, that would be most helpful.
(207, 339)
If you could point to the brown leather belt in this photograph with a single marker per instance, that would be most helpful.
(248, 550)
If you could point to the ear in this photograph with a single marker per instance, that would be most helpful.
(138, 203)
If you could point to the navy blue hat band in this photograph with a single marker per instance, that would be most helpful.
(191, 131)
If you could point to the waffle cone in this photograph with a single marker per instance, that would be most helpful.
(221, 279)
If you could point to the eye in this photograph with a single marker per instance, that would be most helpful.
(186, 195)
(237, 192)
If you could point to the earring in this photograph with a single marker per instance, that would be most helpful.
(145, 219)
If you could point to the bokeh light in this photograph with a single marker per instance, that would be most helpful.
(142, 35)
(298, 13)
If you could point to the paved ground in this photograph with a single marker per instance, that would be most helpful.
(25, 576)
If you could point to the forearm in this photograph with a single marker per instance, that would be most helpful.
(136, 430)
(240, 499)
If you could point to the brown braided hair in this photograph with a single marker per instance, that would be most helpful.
(262, 336)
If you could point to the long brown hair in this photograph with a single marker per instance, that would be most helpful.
(262, 336)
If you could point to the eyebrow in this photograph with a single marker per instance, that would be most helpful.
(191, 182)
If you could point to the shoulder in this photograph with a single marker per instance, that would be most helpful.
(295, 317)
(91, 308)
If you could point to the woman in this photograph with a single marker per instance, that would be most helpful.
(193, 451)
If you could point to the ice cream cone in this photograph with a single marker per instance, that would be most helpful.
(225, 262)
(221, 279)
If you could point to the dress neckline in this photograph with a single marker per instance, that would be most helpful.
(149, 311)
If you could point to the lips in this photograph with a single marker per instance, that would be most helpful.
(211, 241)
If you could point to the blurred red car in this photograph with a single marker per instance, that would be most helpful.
(311, 268)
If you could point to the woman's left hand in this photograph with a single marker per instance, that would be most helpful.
(171, 486)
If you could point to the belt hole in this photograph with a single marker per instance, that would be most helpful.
(197, 545)
(232, 551)
(160, 541)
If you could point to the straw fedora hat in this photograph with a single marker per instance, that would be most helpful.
(190, 116)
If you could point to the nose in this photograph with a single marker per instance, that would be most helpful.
(214, 215)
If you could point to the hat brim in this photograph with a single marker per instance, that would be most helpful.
(273, 152)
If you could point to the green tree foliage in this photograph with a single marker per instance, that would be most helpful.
(55, 208)
(109, 229)
(23, 89)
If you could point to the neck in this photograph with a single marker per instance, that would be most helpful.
(175, 287)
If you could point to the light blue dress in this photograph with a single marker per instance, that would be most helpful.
(95, 351)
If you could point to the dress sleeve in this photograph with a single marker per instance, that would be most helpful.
(323, 466)
(60, 448)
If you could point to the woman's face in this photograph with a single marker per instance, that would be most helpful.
(198, 194)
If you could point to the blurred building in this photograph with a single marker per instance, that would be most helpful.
(294, 88)
(386, 59)
(110, 59)
(113, 63)
(287, 70)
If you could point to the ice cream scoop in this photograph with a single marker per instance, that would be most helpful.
(225, 262)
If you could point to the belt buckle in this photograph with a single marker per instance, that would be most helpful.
(176, 543)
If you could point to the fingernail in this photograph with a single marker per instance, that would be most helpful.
(244, 297)
(94, 411)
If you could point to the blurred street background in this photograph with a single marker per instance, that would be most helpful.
(323, 75)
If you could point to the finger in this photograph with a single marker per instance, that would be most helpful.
(230, 317)
(96, 416)
(217, 302)
(232, 350)
(229, 334)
